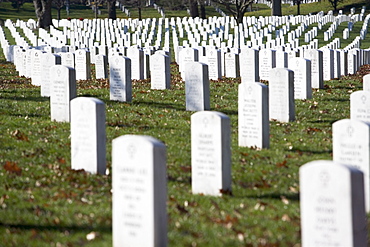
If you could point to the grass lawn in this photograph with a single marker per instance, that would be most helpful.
(43, 202)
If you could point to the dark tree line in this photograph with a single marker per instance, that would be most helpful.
(197, 8)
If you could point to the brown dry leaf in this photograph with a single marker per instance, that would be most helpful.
(286, 218)
(181, 209)
(185, 168)
(19, 135)
(61, 160)
(284, 200)
(282, 164)
(12, 167)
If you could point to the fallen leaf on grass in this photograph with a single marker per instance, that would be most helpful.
(19, 135)
(92, 236)
(282, 164)
(12, 167)
(285, 218)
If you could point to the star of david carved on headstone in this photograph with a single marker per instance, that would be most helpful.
(350, 131)
(324, 178)
(278, 74)
(363, 99)
(297, 63)
(265, 53)
(58, 72)
(131, 150)
(117, 60)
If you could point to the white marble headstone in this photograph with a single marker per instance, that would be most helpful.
(302, 77)
(197, 87)
(249, 65)
(120, 79)
(101, 66)
(82, 65)
(210, 153)
(281, 95)
(253, 115)
(316, 58)
(160, 71)
(360, 105)
(88, 135)
(139, 191)
(47, 61)
(351, 146)
(332, 205)
(63, 90)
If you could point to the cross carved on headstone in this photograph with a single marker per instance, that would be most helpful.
(363, 99)
(324, 178)
(131, 149)
(350, 131)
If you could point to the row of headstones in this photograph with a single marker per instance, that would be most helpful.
(235, 27)
(255, 65)
(31, 62)
(205, 132)
(258, 22)
(81, 36)
(141, 179)
(333, 196)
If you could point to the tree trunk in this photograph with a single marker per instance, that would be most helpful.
(139, 10)
(111, 5)
(96, 9)
(298, 7)
(193, 7)
(43, 13)
(276, 8)
(58, 14)
(202, 11)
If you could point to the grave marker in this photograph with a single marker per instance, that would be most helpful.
(88, 135)
(82, 65)
(302, 77)
(360, 105)
(160, 71)
(47, 61)
(63, 90)
(253, 115)
(332, 205)
(101, 66)
(351, 146)
(197, 87)
(120, 79)
(249, 65)
(281, 95)
(139, 191)
(210, 153)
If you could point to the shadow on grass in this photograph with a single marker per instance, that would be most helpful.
(162, 105)
(322, 121)
(277, 196)
(59, 228)
(36, 99)
(334, 99)
(309, 151)
(227, 112)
